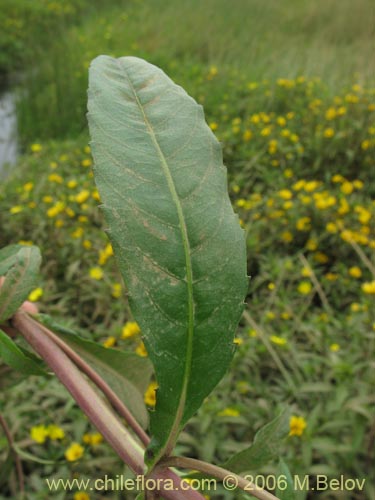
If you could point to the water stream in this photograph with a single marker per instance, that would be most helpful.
(8, 133)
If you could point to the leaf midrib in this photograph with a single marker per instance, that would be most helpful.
(167, 448)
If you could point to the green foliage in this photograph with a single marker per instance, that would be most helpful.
(183, 259)
(20, 278)
(326, 346)
(127, 374)
(266, 447)
(18, 359)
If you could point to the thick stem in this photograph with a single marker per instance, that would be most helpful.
(98, 381)
(17, 459)
(95, 408)
(83, 393)
(223, 474)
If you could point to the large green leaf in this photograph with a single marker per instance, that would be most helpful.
(20, 279)
(181, 251)
(8, 257)
(125, 372)
(17, 358)
(266, 446)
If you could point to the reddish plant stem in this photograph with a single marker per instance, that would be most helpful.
(98, 412)
(98, 381)
(84, 394)
(220, 473)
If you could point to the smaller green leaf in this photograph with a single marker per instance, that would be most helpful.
(32, 458)
(8, 257)
(20, 279)
(17, 358)
(285, 484)
(265, 447)
(125, 372)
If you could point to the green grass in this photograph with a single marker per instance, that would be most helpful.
(331, 40)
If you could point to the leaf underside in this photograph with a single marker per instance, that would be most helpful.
(179, 246)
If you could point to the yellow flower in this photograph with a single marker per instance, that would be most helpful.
(141, 350)
(150, 394)
(35, 148)
(213, 126)
(55, 178)
(81, 495)
(105, 254)
(369, 287)
(304, 288)
(334, 347)
(358, 184)
(55, 209)
(109, 342)
(92, 439)
(47, 199)
(28, 186)
(72, 184)
(271, 286)
(77, 233)
(329, 132)
(55, 432)
(331, 227)
(74, 452)
(278, 340)
(87, 162)
(95, 194)
(281, 121)
(306, 272)
(247, 135)
(265, 131)
(303, 224)
(82, 196)
(116, 290)
(347, 187)
(286, 236)
(130, 329)
(311, 244)
(229, 412)
(355, 307)
(252, 333)
(16, 209)
(35, 294)
(365, 144)
(39, 434)
(311, 186)
(331, 276)
(96, 273)
(321, 257)
(331, 114)
(355, 272)
(297, 425)
(272, 147)
(86, 244)
(285, 194)
(238, 341)
(285, 315)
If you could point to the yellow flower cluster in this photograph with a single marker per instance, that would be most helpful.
(40, 433)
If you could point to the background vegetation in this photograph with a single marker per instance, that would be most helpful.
(288, 88)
